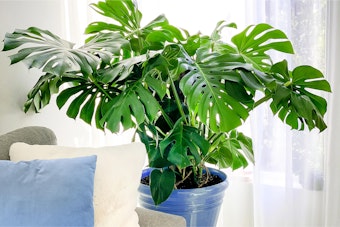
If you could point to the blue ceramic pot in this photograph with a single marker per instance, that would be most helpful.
(199, 206)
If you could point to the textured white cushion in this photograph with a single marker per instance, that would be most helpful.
(116, 180)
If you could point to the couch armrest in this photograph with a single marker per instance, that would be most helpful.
(150, 218)
(30, 135)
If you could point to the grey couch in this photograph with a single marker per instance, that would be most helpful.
(45, 136)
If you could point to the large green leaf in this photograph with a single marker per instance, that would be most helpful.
(239, 92)
(56, 56)
(293, 101)
(159, 31)
(126, 16)
(256, 40)
(126, 20)
(127, 108)
(106, 45)
(204, 87)
(88, 109)
(182, 143)
(309, 77)
(233, 150)
(149, 135)
(130, 108)
(161, 184)
(82, 98)
(119, 71)
(220, 26)
(79, 94)
(40, 95)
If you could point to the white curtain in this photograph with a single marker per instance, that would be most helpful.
(332, 179)
(289, 170)
(294, 179)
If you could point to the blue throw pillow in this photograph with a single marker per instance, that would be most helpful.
(55, 192)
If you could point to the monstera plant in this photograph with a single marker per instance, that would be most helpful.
(184, 94)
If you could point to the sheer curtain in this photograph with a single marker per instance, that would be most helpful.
(295, 176)
(332, 182)
(289, 171)
(293, 182)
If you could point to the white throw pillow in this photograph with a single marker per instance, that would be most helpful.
(116, 179)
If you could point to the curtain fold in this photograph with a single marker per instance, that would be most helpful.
(332, 180)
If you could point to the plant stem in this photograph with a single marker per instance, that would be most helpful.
(260, 101)
(186, 177)
(212, 140)
(93, 81)
(206, 180)
(214, 137)
(178, 101)
(166, 117)
(288, 83)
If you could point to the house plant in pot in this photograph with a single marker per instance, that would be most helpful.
(184, 94)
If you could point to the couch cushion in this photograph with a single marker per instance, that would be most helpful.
(154, 218)
(30, 135)
(116, 182)
(47, 192)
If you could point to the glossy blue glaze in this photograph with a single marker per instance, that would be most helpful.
(199, 206)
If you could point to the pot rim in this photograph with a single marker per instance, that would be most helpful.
(224, 184)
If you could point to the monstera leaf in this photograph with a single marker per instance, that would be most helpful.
(162, 183)
(126, 19)
(150, 136)
(56, 56)
(204, 87)
(255, 41)
(126, 108)
(40, 95)
(82, 99)
(130, 108)
(232, 150)
(183, 142)
(124, 13)
(294, 102)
